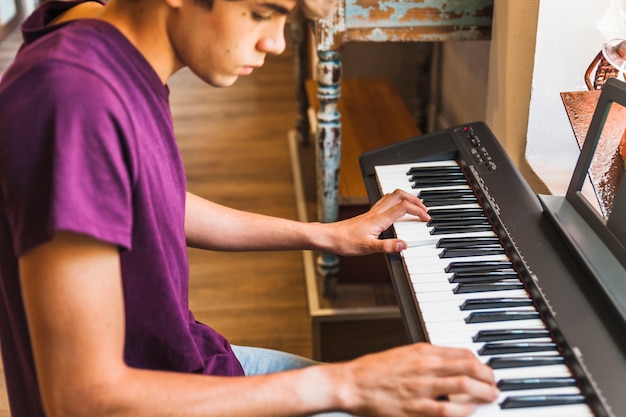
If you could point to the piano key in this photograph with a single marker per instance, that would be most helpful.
(542, 400)
(417, 240)
(563, 389)
(435, 309)
(456, 336)
(506, 362)
(464, 242)
(434, 172)
(447, 177)
(449, 229)
(462, 221)
(454, 211)
(535, 383)
(478, 277)
(493, 349)
(493, 286)
(487, 303)
(537, 408)
(450, 296)
(425, 252)
(448, 192)
(547, 371)
(494, 410)
(529, 371)
(500, 315)
(430, 274)
(424, 287)
(477, 304)
(443, 202)
(448, 253)
(509, 334)
(450, 332)
(470, 266)
(429, 167)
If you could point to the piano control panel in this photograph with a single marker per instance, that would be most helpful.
(474, 145)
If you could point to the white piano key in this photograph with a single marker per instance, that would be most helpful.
(413, 257)
(454, 305)
(475, 347)
(431, 277)
(422, 287)
(450, 296)
(532, 372)
(438, 333)
(434, 316)
(443, 337)
(416, 240)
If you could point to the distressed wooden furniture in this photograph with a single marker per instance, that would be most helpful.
(375, 21)
(346, 308)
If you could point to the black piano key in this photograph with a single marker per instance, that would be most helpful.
(492, 286)
(464, 221)
(478, 277)
(459, 242)
(434, 182)
(446, 230)
(492, 316)
(526, 401)
(493, 349)
(490, 303)
(535, 383)
(509, 334)
(424, 176)
(455, 201)
(524, 361)
(478, 266)
(455, 213)
(445, 193)
(418, 170)
(448, 253)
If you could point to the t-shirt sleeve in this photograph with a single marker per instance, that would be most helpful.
(71, 165)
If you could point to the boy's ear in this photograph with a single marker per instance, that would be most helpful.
(174, 3)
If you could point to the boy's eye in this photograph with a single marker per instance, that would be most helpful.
(259, 17)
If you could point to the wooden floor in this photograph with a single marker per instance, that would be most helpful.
(234, 145)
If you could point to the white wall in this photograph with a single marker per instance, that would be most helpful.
(569, 35)
(7, 11)
(538, 50)
(463, 77)
(495, 78)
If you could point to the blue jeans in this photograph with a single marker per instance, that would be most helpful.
(260, 361)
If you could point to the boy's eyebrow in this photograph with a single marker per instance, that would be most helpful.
(276, 7)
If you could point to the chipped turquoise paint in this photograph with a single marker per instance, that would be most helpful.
(466, 11)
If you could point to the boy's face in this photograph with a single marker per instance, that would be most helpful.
(231, 39)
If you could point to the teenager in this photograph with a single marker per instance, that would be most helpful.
(95, 221)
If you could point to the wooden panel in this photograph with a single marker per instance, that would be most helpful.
(345, 340)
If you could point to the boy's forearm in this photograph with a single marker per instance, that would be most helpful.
(212, 226)
(141, 393)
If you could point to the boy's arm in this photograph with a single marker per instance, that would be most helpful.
(73, 298)
(72, 294)
(209, 225)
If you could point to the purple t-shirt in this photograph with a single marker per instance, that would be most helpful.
(87, 145)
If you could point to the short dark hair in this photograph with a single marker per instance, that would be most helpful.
(205, 3)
